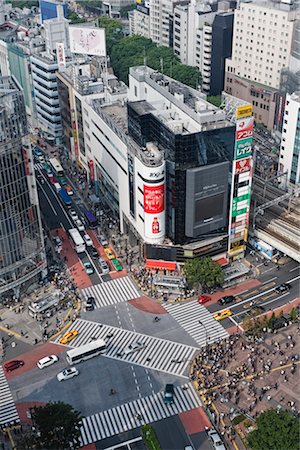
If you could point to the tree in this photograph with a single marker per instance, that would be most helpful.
(188, 75)
(204, 271)
(74, 18)
(124, 10)
(293, 314)
(276, 430)
(113, 32)
(215, 100)
(57, 425)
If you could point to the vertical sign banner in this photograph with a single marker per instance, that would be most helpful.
(92, 171)
(154, 210)
(60, 54)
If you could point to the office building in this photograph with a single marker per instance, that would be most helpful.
(161, 22)
(139, 21)
(262, 43)
(48, 9)
(22, 256)
(289, 159)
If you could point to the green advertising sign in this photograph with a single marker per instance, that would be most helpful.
(243, 148)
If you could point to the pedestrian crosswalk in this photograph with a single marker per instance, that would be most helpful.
(8, 410)
(157, 354)
(188, 315)
(111, 292)
(38, 166)
(136, 413)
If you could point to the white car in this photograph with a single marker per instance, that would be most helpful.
(47, 361)
(216, 440)
(88, 241)
(134, 347)
(104, 266)
(67, 374)
(103, 240)
(79, 225)
(73, 214)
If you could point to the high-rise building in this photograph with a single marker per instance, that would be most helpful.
(262, 44)
(289, 160)
(22, 255)
(48, 9)
(161, 22)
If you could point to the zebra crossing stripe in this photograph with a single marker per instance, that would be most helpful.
(111, 292)
(188, 315)
(157, 354)
(122, 418)
(38, 166)
(8, 410)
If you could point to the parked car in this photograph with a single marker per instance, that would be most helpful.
(67, 337)
(88, 241)
(69, 190)
(79, 225)
(73, 214)
(226, 299)
(13, 365)
(282, 288)
(223, 314)
(67, 374)
(134, 347)
(64, 181)
(103, 240)
(104, 266)
(90, 304)
(94, 252)
(47, 361)
(109, 253)
(216, 440)
(169, 394)
(88, 268)
(117, 265)
(203, 299)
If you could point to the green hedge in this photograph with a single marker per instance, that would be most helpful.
(150, 438)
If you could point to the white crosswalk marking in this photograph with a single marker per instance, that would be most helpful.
(38, 166)
(158, 354)
(8, 410)
(124, 417)
(188, 316)
(112, 292)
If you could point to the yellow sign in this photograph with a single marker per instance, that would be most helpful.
(244, 111)
(239, 249)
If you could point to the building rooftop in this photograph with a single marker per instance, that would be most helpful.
(283, 5)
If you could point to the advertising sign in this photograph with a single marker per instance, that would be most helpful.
(244, 128)
(243, 111)
(242, 166)
(154, 225)
(154, 199)
(87, 41)
(60, 54)
(92, 171)
(243, 148)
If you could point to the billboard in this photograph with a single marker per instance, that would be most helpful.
(243, 165)
(154, 210)
(244, 128)
(92, 171)
(60, 54)
(243, 111)
(243, 148)
(87, 41)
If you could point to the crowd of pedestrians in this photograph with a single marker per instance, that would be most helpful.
(244, 375)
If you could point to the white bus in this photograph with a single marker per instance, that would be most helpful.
(86, 351)
(56, 166)
(78, 242)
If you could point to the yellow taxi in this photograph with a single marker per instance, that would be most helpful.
(223, 314)
(109, 253)
(67, 337)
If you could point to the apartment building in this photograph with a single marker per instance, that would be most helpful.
(262, 43)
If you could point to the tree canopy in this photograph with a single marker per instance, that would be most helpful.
(113, 31)
(74, 18)
(215, 100)
(57, 425)
(276, 430)
(204, 271)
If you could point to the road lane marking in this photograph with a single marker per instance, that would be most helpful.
(264, 304)
(266, 286)
(269, 281)
(235, 323)
(46, 195)
(295, 268)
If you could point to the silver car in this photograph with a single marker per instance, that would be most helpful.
(134, 347)
(104, 266)
(67, 374)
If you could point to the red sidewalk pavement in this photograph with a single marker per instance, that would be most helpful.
(147, 304)
(195, 420)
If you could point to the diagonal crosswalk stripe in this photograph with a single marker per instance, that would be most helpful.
(123, 417)
(188, 316)
(111, 292)
(8, 410)
(158, 354)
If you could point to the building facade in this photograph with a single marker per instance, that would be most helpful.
(22, 255)
(262, 43)
(289, 159)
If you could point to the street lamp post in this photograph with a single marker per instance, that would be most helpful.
(206, 333)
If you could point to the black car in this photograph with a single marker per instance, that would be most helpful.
(282, 288)
(225, 300)
(94, 253)
(169, 394)
(90, 304)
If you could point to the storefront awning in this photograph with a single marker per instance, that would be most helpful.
(161, 265)
(222, 261)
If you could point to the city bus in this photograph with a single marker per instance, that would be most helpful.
(86, 351)
(77, 240)
(91, 219)
(56, 167)
(65, 198)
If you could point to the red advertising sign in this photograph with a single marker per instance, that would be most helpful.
(242, 165)
(154, 199)
(92, 172)
(244, 128)
(25, 153)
